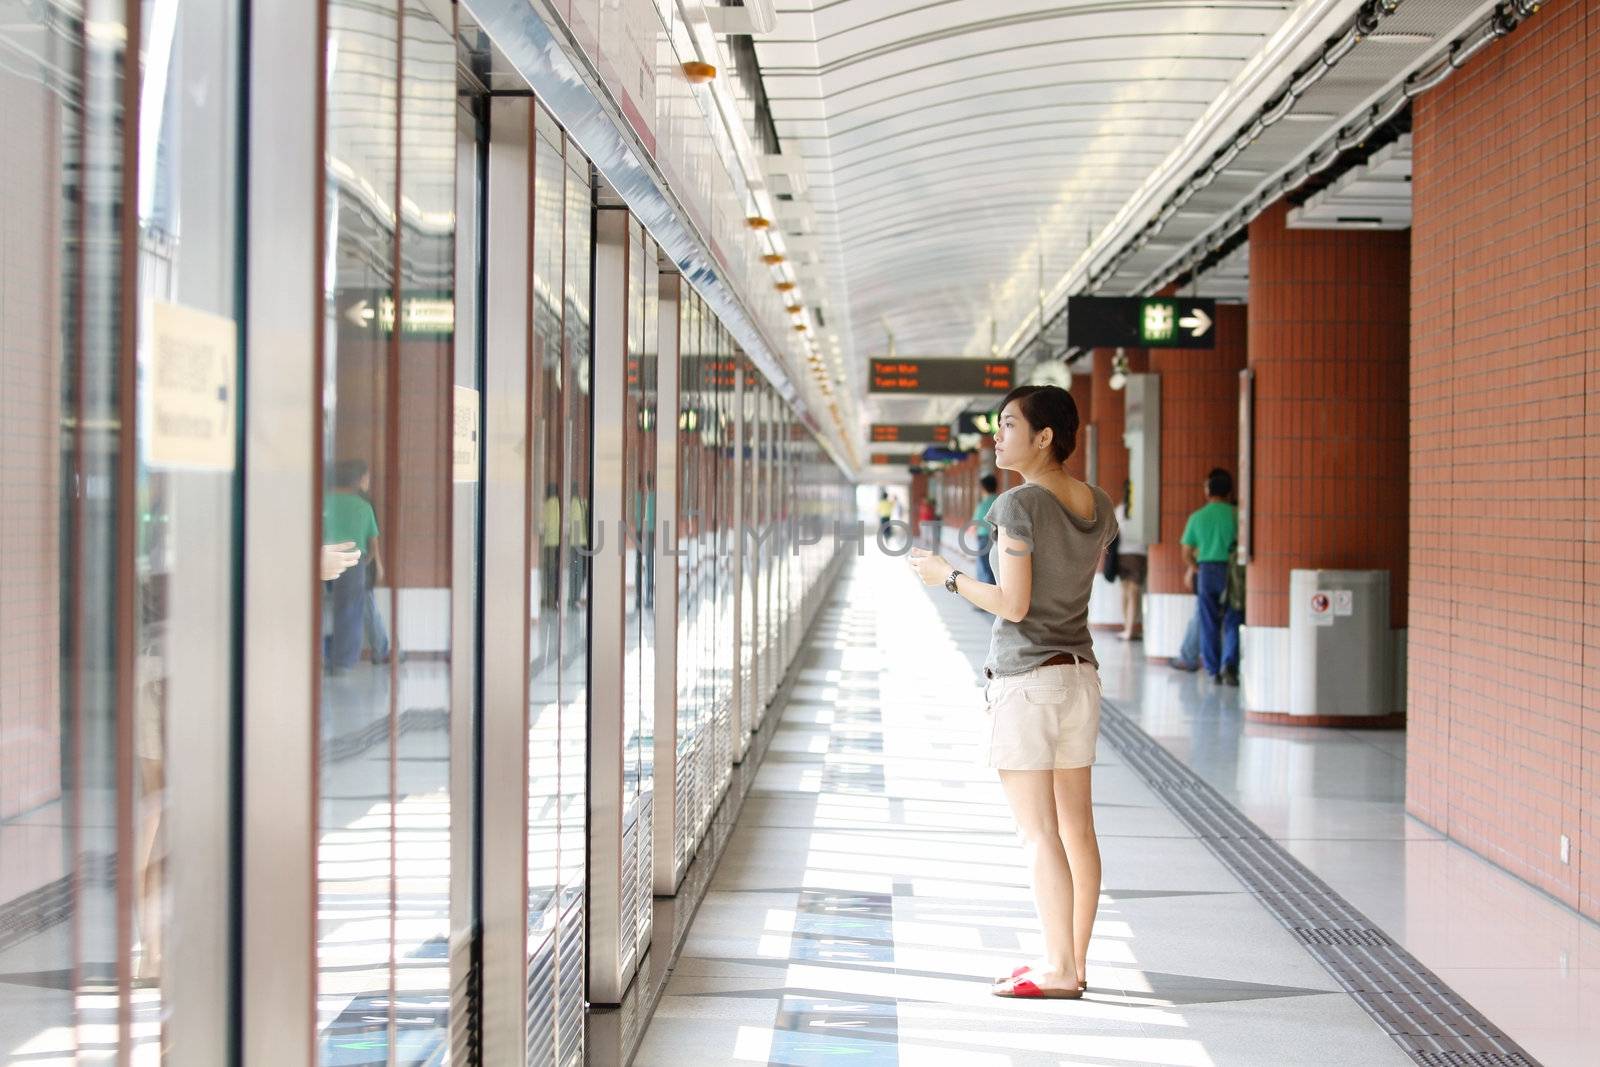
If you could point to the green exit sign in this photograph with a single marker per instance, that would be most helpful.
(1141, 322)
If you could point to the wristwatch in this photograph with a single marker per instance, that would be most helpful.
(950, 582)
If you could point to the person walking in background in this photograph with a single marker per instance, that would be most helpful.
(980, 518)
(1188, 657)
(927, 520)
(885, 510)
(347, 517)
(1208, 541)
(1133, 563)
(1043, 691)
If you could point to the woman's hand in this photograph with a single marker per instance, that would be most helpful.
(932, 569)
(336, 559)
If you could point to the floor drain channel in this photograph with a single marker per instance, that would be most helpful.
(1426, 1018)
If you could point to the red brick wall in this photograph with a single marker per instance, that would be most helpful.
(1503, 748)
(1199, 431)
(1328, 343)
(30, 405)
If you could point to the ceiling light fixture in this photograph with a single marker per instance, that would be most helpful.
(699, 73)
(772, 259)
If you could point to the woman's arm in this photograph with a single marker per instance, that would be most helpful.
(1009, 599)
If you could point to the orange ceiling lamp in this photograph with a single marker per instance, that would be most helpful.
(800, 327)
(756, 222)
(772, 259)
(784, 287)
(699, 73)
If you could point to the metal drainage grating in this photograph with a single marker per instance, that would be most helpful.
(1427, 1018)
(1338, 935)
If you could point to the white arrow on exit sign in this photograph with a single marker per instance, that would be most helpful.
(1196, 323)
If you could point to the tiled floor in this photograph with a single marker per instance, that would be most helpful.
(874, 886)
(1336, 800)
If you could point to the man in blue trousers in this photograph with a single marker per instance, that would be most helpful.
(1208, 541)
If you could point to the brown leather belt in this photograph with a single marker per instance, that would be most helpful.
(1063, 659)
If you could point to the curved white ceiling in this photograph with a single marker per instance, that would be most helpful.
(961, 155)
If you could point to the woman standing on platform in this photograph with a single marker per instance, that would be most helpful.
(1043, 682)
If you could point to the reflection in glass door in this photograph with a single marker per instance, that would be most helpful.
(394, 380)
(118, 201)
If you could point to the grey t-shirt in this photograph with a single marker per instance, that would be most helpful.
(1066, 549)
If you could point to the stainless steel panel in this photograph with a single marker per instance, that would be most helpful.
(668, 793)
(611, 918)
(508, 983)
(465, 1015)
(281, 555)
(739, 713)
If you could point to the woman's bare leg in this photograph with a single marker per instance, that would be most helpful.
(1075, 820)
(1033, 802)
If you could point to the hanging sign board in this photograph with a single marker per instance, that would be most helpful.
(915, 433)
(889, 459)
(942, 377)
(1141, 322)
(980, 422)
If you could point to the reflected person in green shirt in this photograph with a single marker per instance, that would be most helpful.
(980, 519)
(348, 517)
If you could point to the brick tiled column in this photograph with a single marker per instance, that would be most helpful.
(1503, 740)
(1329, 348)
(1328, 322)
(1199, 431)
(1083, 395)
(1106, 408)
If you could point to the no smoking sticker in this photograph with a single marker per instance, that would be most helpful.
(1322, 609)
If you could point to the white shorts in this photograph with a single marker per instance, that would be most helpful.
(1044, 719)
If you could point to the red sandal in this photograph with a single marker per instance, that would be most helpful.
(1024, 989)
(1083, 986)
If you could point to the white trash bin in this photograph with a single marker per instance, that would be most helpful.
(1339, 644)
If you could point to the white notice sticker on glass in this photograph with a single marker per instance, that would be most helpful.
(1344, 602)
(464, 440)
(191, 383)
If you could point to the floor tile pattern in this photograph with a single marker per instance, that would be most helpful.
(874, 886)
(1427, 1018)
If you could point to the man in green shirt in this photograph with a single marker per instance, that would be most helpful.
(348, 517)
(1209, 538)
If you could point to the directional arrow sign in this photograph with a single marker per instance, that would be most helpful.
(1140, 322)
(1197, 322)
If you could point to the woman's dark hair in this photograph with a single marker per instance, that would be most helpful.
(1219, 482)
(989, 482)
(1048, 406)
